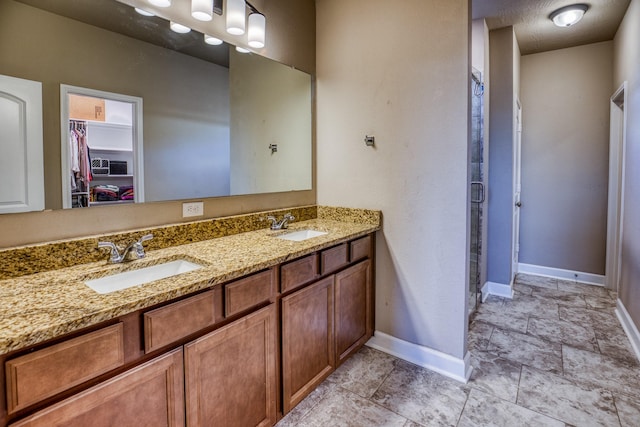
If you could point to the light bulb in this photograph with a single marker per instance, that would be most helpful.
(569, 15)
(256, 31)
(202, 10)
(236, 17)
(179, 28)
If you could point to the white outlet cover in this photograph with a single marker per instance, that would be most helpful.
(192, 209)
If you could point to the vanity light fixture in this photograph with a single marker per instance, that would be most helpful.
(179, 28)
(568, 15)
(212, 40)
(236, 17)
(160, 3)
(143, 12)
(202, 10)
(256, 31)
(242, 50)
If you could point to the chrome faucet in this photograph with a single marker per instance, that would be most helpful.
(282, 224)
(116, 257)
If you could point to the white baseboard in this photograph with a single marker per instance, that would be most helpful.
(497, 289)
(629, 327)
(442, 363)
(558, 273)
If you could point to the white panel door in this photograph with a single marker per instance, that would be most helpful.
(21, 163)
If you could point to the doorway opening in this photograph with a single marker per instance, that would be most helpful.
(101, 148)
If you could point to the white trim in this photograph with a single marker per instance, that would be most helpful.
(617, 151)
(559, 273)
(138, 163)
(442, 363)
(629, 327)
(497, 289)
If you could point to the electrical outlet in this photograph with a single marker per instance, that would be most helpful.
(192, 209)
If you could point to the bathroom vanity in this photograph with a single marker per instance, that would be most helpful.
(238, 342)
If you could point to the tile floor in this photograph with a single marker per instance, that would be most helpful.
(555, 355)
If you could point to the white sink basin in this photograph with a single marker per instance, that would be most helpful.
(298, 236)
(127, 279)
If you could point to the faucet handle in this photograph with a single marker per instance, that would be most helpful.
(289, 217)
(145, 238)
(138, 245)
(115, 254)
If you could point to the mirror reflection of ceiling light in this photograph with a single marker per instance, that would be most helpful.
(143, 12)
(179, 28)
(242, 50)
(569, 15)
(212, 40)
(160, 3)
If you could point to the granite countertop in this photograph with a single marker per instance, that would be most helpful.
(41, 306)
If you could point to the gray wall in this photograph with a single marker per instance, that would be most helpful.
(402, 75)
(565, 149)
(627, 67)
(504, 59)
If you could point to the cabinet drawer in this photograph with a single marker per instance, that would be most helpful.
(47, 372)
(333, 259)
(248, 292)
(298, 273)
(360, 248)
(167, 324)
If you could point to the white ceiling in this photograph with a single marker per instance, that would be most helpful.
(535, 31)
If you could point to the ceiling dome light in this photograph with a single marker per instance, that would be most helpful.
(242, 50)
(236, 20)
(212, 40)
(143, 12)
(255, 33)
(569, 15)
(202, 10)
(179, 28)
(160, 3)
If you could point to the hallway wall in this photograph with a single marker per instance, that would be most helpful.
(565, 168)
(504, 56)
(627, 67)
(402, 74)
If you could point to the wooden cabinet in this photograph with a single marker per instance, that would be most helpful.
(151, 394)
(308, 354)
(169, 323)
(51, 370)
(353, 302)
(231, 374)
(238, 354)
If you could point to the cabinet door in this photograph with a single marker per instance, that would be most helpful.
(308, 354)
(231, 374)
(151, 394)
(353, 309)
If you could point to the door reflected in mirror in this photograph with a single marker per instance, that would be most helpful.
(101, 148)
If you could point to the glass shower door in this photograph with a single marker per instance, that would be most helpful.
(477, 189)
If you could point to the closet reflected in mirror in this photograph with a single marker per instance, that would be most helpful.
(101, 148)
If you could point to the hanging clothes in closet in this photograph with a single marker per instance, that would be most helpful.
(80, 160)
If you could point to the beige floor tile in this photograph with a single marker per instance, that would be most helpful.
(422, 396)
(528, 350)
(562, 399)
(483, 409)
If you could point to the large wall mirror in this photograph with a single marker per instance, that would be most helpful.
(215, 123)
